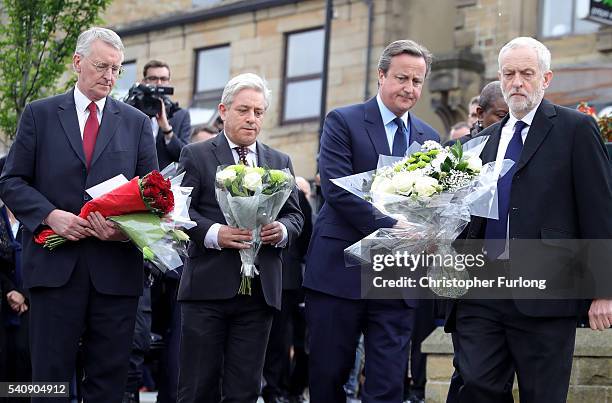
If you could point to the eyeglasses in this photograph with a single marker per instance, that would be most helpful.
(103, 68)
(152, 79)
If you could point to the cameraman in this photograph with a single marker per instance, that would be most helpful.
(171, 135)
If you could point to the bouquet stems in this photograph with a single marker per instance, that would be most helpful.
(245, 286)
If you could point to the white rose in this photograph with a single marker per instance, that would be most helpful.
(403, 181)
(426, 186)
(226, 174)
(382, 184)
(252, 181)
(475, 164)
(437, 162)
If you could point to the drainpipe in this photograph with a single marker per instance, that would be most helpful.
(366, 92)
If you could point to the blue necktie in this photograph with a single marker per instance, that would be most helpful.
(399, 139)
(496, 230)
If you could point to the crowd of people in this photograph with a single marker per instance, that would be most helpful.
(87, 313)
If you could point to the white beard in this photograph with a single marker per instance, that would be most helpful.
(522, 106)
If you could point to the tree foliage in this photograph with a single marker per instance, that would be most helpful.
(37, 40)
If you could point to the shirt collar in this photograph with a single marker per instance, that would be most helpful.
(387, 115)
(252, 148)
(82, 102)
(528, 118)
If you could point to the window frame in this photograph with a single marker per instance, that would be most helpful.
(210, 95)
(572, 24)
(289, 80)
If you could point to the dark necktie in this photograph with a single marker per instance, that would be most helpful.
(90, 132)
(496, 230)
(399, 139)
(242, 154)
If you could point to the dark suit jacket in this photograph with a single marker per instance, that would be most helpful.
(293, 256)
(561, 190)
(353, 138)
(45, 169)
(181, 126)
(215, 274)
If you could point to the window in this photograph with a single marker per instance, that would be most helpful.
(204, 3)
(212, 73)
(561, 17)
(303, 76)
(125, 82)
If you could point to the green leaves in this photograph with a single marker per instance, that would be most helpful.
(37, 39)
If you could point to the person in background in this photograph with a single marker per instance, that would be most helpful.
(285, 373)
(472, 113)
(202, 133)
(491, 105)
(171, 135)
(459, 130)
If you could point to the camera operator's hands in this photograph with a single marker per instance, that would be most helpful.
(162, 121)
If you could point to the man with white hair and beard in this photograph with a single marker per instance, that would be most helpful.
(559, 189)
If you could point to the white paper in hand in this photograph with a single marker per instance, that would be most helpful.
(106, 186)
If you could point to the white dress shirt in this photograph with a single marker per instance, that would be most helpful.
(211, 240)
(506, 135)
(82, 104)
(390, 125)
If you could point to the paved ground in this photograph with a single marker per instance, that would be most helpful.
(149, 397)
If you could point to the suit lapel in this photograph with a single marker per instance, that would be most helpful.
(539, 129)
(263, 155)
(222, 151)
(68, 119)
(375, 128)
(416, 130)
(489, 152)
(108, 127)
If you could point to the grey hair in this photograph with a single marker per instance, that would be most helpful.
(243, 82)
(489, 94)
(404, 46)
(475, 100)
(86, 38)
(527, 42)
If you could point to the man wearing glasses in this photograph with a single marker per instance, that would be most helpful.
(171, 135)
(87, 290)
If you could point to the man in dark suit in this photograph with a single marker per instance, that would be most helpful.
(559, 189)
(353, 138)
(87, 289)
(171, 135)
(286, 373)
(224, 334)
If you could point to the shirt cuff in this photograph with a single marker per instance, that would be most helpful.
(283, 242)
(211, 240)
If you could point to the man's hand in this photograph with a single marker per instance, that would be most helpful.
(236, 238)
(16, 301)
(271, 234)
(600, 314)
(68, 225)
(162, 120)
(103, 229)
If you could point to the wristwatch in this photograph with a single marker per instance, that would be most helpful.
(167, 131)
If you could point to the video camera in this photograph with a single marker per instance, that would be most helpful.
(146, 98)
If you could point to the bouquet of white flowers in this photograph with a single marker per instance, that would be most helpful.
(251, 197)
(432, 192)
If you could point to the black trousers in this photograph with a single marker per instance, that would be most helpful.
(495, 340)
(223, 342)
(60, 317)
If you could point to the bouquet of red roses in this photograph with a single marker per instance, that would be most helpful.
(151, 194)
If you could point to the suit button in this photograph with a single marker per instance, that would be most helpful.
(86, 197)
(515, 209)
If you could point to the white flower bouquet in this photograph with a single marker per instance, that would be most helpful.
(251, 197)
(432, 192)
